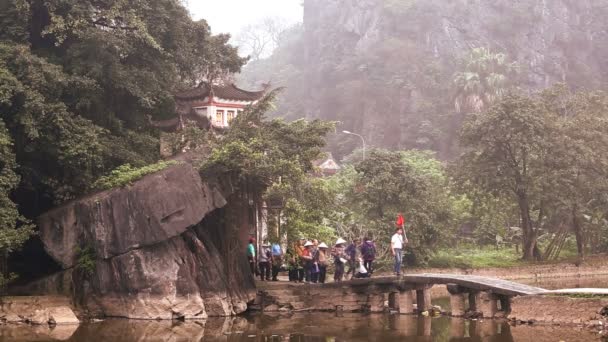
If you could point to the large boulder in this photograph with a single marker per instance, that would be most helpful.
(154, 209)
(168, 246)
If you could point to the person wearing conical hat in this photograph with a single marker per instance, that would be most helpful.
(299, 249)
(315, 270)
(308, 262)
(322, 262)
(340, 259)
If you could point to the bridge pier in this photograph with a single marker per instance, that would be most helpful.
(375, 302)
(486, 303)
(458, 299)
(423, 298)
(402, 301)
(458, 304)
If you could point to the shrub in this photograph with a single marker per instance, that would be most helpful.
(127, 174)
(85, 260)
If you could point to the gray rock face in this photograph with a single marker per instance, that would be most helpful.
(169, 246)
(154, 209)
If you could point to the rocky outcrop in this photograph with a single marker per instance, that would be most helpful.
(168, 246)
(152, 210)
(53, 310)
(385, 68)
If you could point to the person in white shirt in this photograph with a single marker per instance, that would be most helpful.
(398, 240)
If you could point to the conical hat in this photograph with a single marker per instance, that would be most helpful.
(308, 243)
(340, 241)
(323, 245)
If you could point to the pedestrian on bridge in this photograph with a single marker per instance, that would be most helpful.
(340, 259)
(398, 241)
(307, 257)
(323, 257)
(368, 253)
(299, 248)
(353, 256)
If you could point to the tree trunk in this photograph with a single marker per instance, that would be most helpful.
(578, 233)
(530, 249)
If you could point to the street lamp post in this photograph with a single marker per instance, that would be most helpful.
(362, 140)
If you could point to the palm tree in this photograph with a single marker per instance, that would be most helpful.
(484, 78)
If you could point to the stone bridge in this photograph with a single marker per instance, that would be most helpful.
(483, 296)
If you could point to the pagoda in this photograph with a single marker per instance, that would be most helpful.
(209, 105)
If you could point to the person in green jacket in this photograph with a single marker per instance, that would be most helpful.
(251, 255)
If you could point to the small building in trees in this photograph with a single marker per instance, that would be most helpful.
(209, 106)
(220, 104)
(206, 106)
(326, 166)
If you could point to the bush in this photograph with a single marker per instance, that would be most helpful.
(85, 260)
(126, 174)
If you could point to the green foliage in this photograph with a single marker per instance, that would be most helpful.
(85, 260)
(370, 194)
(14, 228)
(475, 257)
(274, 159)
(265, 151)
(189, 138)
(484, 78)
(126, 174)
(79, 78)
(546, 155)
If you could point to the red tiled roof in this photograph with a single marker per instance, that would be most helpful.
(227, 91)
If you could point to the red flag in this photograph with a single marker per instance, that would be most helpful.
(400, 221)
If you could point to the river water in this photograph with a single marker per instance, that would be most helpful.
(312, 327)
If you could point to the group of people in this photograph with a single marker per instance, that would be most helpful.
(307, 260)
(268, 262)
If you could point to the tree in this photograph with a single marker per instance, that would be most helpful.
(14, 228)
(259, 40)
(484, 78)
(80, 77)
(579, 157)
(274, 159)
(508, 151)
(371, 193)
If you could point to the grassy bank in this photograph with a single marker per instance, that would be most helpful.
(489, 256)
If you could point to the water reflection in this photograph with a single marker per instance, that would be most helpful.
(299, 328)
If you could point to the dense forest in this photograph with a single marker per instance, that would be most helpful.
(78, 81)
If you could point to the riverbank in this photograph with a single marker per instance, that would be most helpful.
(596, 265)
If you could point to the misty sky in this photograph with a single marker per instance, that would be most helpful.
(231, 15)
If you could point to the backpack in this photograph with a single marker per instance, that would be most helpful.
(368, 251)
(276, 249)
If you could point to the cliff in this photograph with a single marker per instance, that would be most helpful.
(385, 68)
(168, 246)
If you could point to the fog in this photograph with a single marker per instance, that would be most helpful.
(230, 16)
